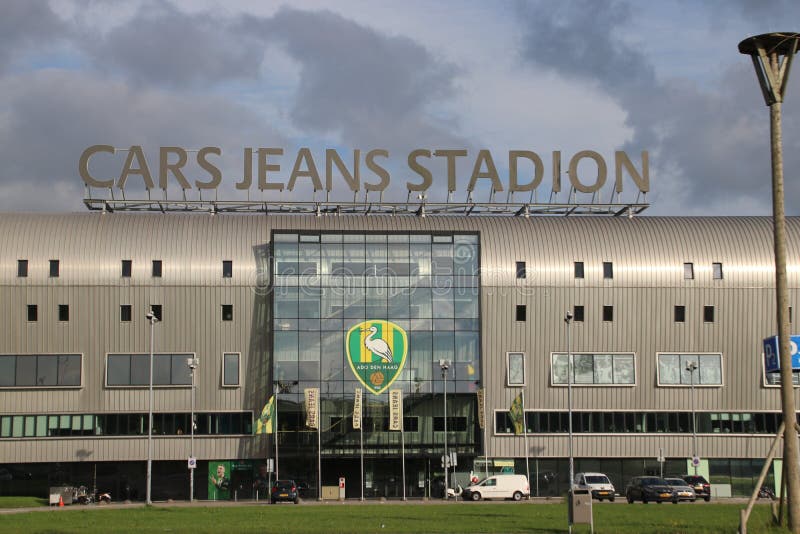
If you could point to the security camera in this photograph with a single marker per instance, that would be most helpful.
(568, 316)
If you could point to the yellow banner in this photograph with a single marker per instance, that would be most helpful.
(312, 407)
(481, 405)
(395, 409)
(357, 410)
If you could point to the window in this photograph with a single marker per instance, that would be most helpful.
(672, 369)
(594, 369)
(577, 314)
(227, 269)
(157, 268)
(790, 314)
(521, 312)
(230, 369)
(227, 312)
(708, 314)
(156, 309)
(521, 273)
(608, 313)
(33, 313)
(134, 370)
(40, 370)
(54, 268)
(578, 269)
(22, 268)
(716, 269)
(515, 369)
(125, 313)
(608, 270)
(63, 312)
(454, 424)
(127, 266)
(680, 314)
(688, 271)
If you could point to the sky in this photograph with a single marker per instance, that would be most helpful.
(661, 76)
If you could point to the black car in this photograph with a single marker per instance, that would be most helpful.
(700, 485)
(284, 490)
(648, 488)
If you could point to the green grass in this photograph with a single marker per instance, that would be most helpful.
(460, 518)
(22, 502)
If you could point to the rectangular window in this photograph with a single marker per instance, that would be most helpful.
(680, 314)
(127, 267)
(688, 271)
(594, 369)
(63, 312)
(157, 268)
(33, 313)
(230, 369)
(134, 370)
(227, 312)
(22, 268)
(608, 270)
(521, 312)
(454, 424)
(156, 309)
(227, 269)
(577, 314)
(608, 313)
(676, 369)
(578, 269)
(54, 268)
(521, 272)
(515, 369)
(716, 271)
(40, 370)
(125, 313)
(708, 314)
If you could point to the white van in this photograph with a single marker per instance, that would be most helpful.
(498, 487)
(597, 483)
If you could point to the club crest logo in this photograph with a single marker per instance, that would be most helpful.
(377, 352)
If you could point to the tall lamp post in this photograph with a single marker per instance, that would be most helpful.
(193, 363)
(692, 367)
(445, 365)
(568, 320)
(151, 317)
(772, 55)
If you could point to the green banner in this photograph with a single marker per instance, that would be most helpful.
(219, 480)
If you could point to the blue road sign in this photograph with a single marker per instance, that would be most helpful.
(772, 362)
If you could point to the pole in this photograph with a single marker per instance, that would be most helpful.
(361, 437)
(192, 366)
(403, 451)
(568, 320)
(277, 387)
(692, 367)
(444, 366)
(485, 442)
(525, 431)
(319, 452)
(152, 319)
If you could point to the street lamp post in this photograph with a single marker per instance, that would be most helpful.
(772, 55)
(692, 367)
(445, 365)
(193, 363)
(568, 320)
(152, 319)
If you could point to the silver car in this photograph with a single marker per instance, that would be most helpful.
(683, 492)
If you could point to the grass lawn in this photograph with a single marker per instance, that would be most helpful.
(460, 518)
(22, 502)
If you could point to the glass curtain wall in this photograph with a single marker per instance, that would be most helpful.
(326, 283)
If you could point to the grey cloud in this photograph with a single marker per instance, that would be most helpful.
(26, 25)
(714, 143)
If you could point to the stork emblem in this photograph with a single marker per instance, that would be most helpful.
(376, 351)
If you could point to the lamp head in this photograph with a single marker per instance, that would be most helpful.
(444, 364)
(568, 317)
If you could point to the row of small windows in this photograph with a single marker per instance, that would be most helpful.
(608, 270)
(642, 422)
(125, 312)
(157, 268)
(578, 313)
(123, 424)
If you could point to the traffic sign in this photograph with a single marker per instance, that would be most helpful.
(695, 461)
(192, 462)
(772, 362)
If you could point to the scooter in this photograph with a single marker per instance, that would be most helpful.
(765, 492)
(84, 496)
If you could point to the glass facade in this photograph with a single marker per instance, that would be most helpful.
(324, 284)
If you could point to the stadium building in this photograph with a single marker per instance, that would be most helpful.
(283, 305)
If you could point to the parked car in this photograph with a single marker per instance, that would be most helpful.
(700, 485)
(284, 490)
(683, 491)
(498, 487)
(598, 484)
(648, 488)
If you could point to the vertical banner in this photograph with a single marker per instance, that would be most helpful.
(481, 404)
(312, 407)
(219, 480)
(357, 410)
(395, 409)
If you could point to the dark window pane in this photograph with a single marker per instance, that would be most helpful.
(608, 269)
(33, 312)
(26, 371)
(680, 314)
(227, 269)
(227, 312)
(162, 370)
(125, 313)
(608, 313)
(181, 373)
(157, 268)
(140, 369)
(708, 314)
(231, 369)
(521, 271)
(521, 312)
(156, 309)
(578, 269)
(69, 370)
(126, 268)
(22, 268)
(54, 269)
(8, 370)
(63, 312)
(578, 314)
(47, 370)
(118, 370)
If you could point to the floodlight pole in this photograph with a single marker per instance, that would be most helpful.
(568, 320)
(692, 367)
(445, 365)
(772, 55)
(193, 363)
(152, 319)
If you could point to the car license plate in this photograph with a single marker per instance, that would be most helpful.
(666, 495)
(284, 494)
(602, 493)
(685, 494)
